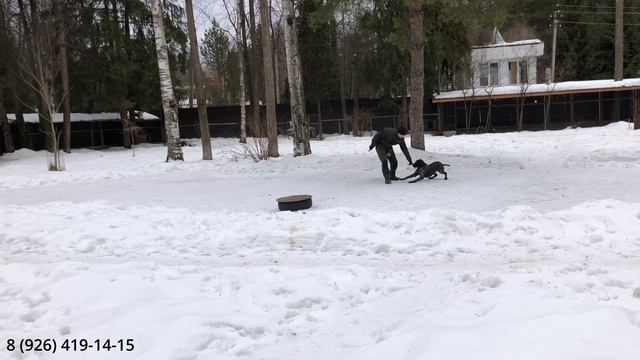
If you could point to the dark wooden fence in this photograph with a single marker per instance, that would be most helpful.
(585, 109)
(224, 121)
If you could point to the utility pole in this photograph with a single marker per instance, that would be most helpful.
(619, 48)
(553, 45)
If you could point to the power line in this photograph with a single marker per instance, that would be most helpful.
(596, 13)
(594, 23)
(597, 6)
(586, 6)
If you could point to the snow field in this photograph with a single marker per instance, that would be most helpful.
(530, 251)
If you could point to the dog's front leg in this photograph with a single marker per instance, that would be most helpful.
(416, 180)
(415, 173)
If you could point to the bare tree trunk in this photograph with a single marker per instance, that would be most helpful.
(66, 101)
(36, 70)
(343, 81)
(270, 96)
(169, 104)
(619, 42)
(320, 129)
(4, 122)
(243, 38)
(520, 107)
(127, 115)
(20, 124)
(192, 88)
(255, 70)
(199, 81)
(343, 97)
(417, 74)
(521, 102)
(6, 48)
(616, 110)
(126, 129)
(299, 120)
(404, 105)
(276, 68)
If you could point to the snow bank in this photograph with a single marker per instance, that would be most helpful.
(539, 89)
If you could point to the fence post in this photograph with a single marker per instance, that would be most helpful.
(93, 142)
(636, 112)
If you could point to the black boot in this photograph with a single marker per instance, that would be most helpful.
(387, 180)
(393, 177)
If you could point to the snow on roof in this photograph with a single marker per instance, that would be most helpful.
(513, 43)
(498, 41)
(58, 117)
(538, 89)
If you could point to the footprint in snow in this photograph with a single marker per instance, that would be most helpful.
(491, 282)
(201, 342)
(35, 300)
(595, 238)
(615, 283)
(307, 303)
(382, 249)
(31, 316)
(284, 292)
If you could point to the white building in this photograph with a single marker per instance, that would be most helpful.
(505, 63)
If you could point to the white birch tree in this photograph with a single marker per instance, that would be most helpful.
(299, 121)
(169, 104)
(241, 41)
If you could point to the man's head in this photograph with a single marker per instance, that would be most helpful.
(402, 131)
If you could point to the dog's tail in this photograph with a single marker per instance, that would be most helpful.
(446, 165)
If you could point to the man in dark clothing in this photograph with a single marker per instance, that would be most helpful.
(383, 141)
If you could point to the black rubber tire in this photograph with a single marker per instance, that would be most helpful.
(286, 205)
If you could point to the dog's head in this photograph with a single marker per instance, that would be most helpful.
(419, 163)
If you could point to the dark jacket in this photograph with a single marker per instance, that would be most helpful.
(389, 137)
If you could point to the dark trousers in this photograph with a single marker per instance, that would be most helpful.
(387, 156)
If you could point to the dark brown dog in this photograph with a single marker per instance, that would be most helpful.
(427, 171)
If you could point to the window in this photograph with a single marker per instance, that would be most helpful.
(524, 73)
(484, 74)
(513, 72)
(493, 72)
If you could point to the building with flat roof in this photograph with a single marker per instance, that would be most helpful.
(503, 63)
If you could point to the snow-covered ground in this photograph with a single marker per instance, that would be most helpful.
(531, 250)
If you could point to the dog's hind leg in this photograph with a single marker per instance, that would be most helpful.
(445, 174)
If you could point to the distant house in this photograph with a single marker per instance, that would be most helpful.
(505, 63)
(78, 117)
(505, 96)
(90, 130)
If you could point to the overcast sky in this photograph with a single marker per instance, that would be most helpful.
(206, 9)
